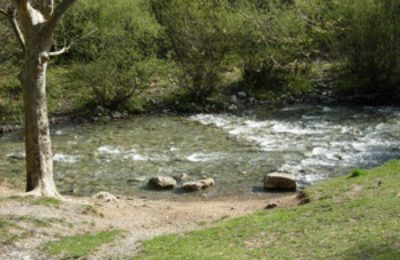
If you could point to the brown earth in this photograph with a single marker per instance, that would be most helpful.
(139, 219)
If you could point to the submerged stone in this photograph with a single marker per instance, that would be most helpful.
(280, 182)
(182, 177)
(234, 100)
(137, 180)
(16, 156)
(198, 185)
(161, 182)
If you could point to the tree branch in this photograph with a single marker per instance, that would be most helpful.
(20, 2)
(11, 15)
(58, 13)
(46, 7)
(17, 30)
(61, 51)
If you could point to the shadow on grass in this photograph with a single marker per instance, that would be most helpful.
(389, 249)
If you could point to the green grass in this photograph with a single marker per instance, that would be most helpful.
(80, 245)
(40, 201)
(35, 221)
(356, 173)
(90, 210)
(347, 218)
(6, 236)
(10, 232)
(49, 202)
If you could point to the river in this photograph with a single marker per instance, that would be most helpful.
(313, 143)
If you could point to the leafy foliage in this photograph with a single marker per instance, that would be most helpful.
(367, 41)
(200, 35)
(276, 46)
(121, 48)
(117, 49)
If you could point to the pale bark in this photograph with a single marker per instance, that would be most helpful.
(34, 29)
(39, 164)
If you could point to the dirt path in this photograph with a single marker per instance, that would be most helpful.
(139, 219)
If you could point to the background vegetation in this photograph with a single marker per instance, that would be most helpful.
(132, 55)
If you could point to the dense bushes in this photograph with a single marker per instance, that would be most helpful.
(10, 50)
(368, 43)
(10, 91)
(268, 40)
(200, 36)
(276, 46)
(122, 47)
(116, 50)
(115, 80)
(98, 25)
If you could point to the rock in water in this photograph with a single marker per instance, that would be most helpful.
(117, 115)
(138, 179)
(99, 111)
(16, 156)
(198, 185)
(232, 107)
(242, 94)
(234, 100)
(182, 177)
(161, 182)
(280, 182)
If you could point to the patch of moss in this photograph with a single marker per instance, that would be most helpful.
(356, 173)
(49, 202)
(90, 210)
(80, 245)
(35, 221)
(41, 201)
(10, 233)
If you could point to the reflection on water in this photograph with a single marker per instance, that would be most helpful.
(313, 143)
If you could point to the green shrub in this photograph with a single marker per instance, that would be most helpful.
(99, 25)
(114, 81)
(10, 50)
(200, 36)
(356, 173)
(276, 46)
(368, 42)
(118, 58)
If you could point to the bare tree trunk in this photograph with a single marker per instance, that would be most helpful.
(39, 162)
(34, 29)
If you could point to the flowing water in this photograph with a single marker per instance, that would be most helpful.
(313, 143)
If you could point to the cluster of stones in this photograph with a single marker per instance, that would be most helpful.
(162, 182)
(272, 182)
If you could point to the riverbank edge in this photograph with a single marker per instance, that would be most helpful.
(331, 194)
(35, 227)
(234, 101)
(353, 216)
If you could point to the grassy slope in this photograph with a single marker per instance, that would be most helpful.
(81, 245)
(347, 218)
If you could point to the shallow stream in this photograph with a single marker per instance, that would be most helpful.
(311, 142)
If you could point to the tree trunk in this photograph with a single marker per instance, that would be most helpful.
(39, 161)
(34, 26)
